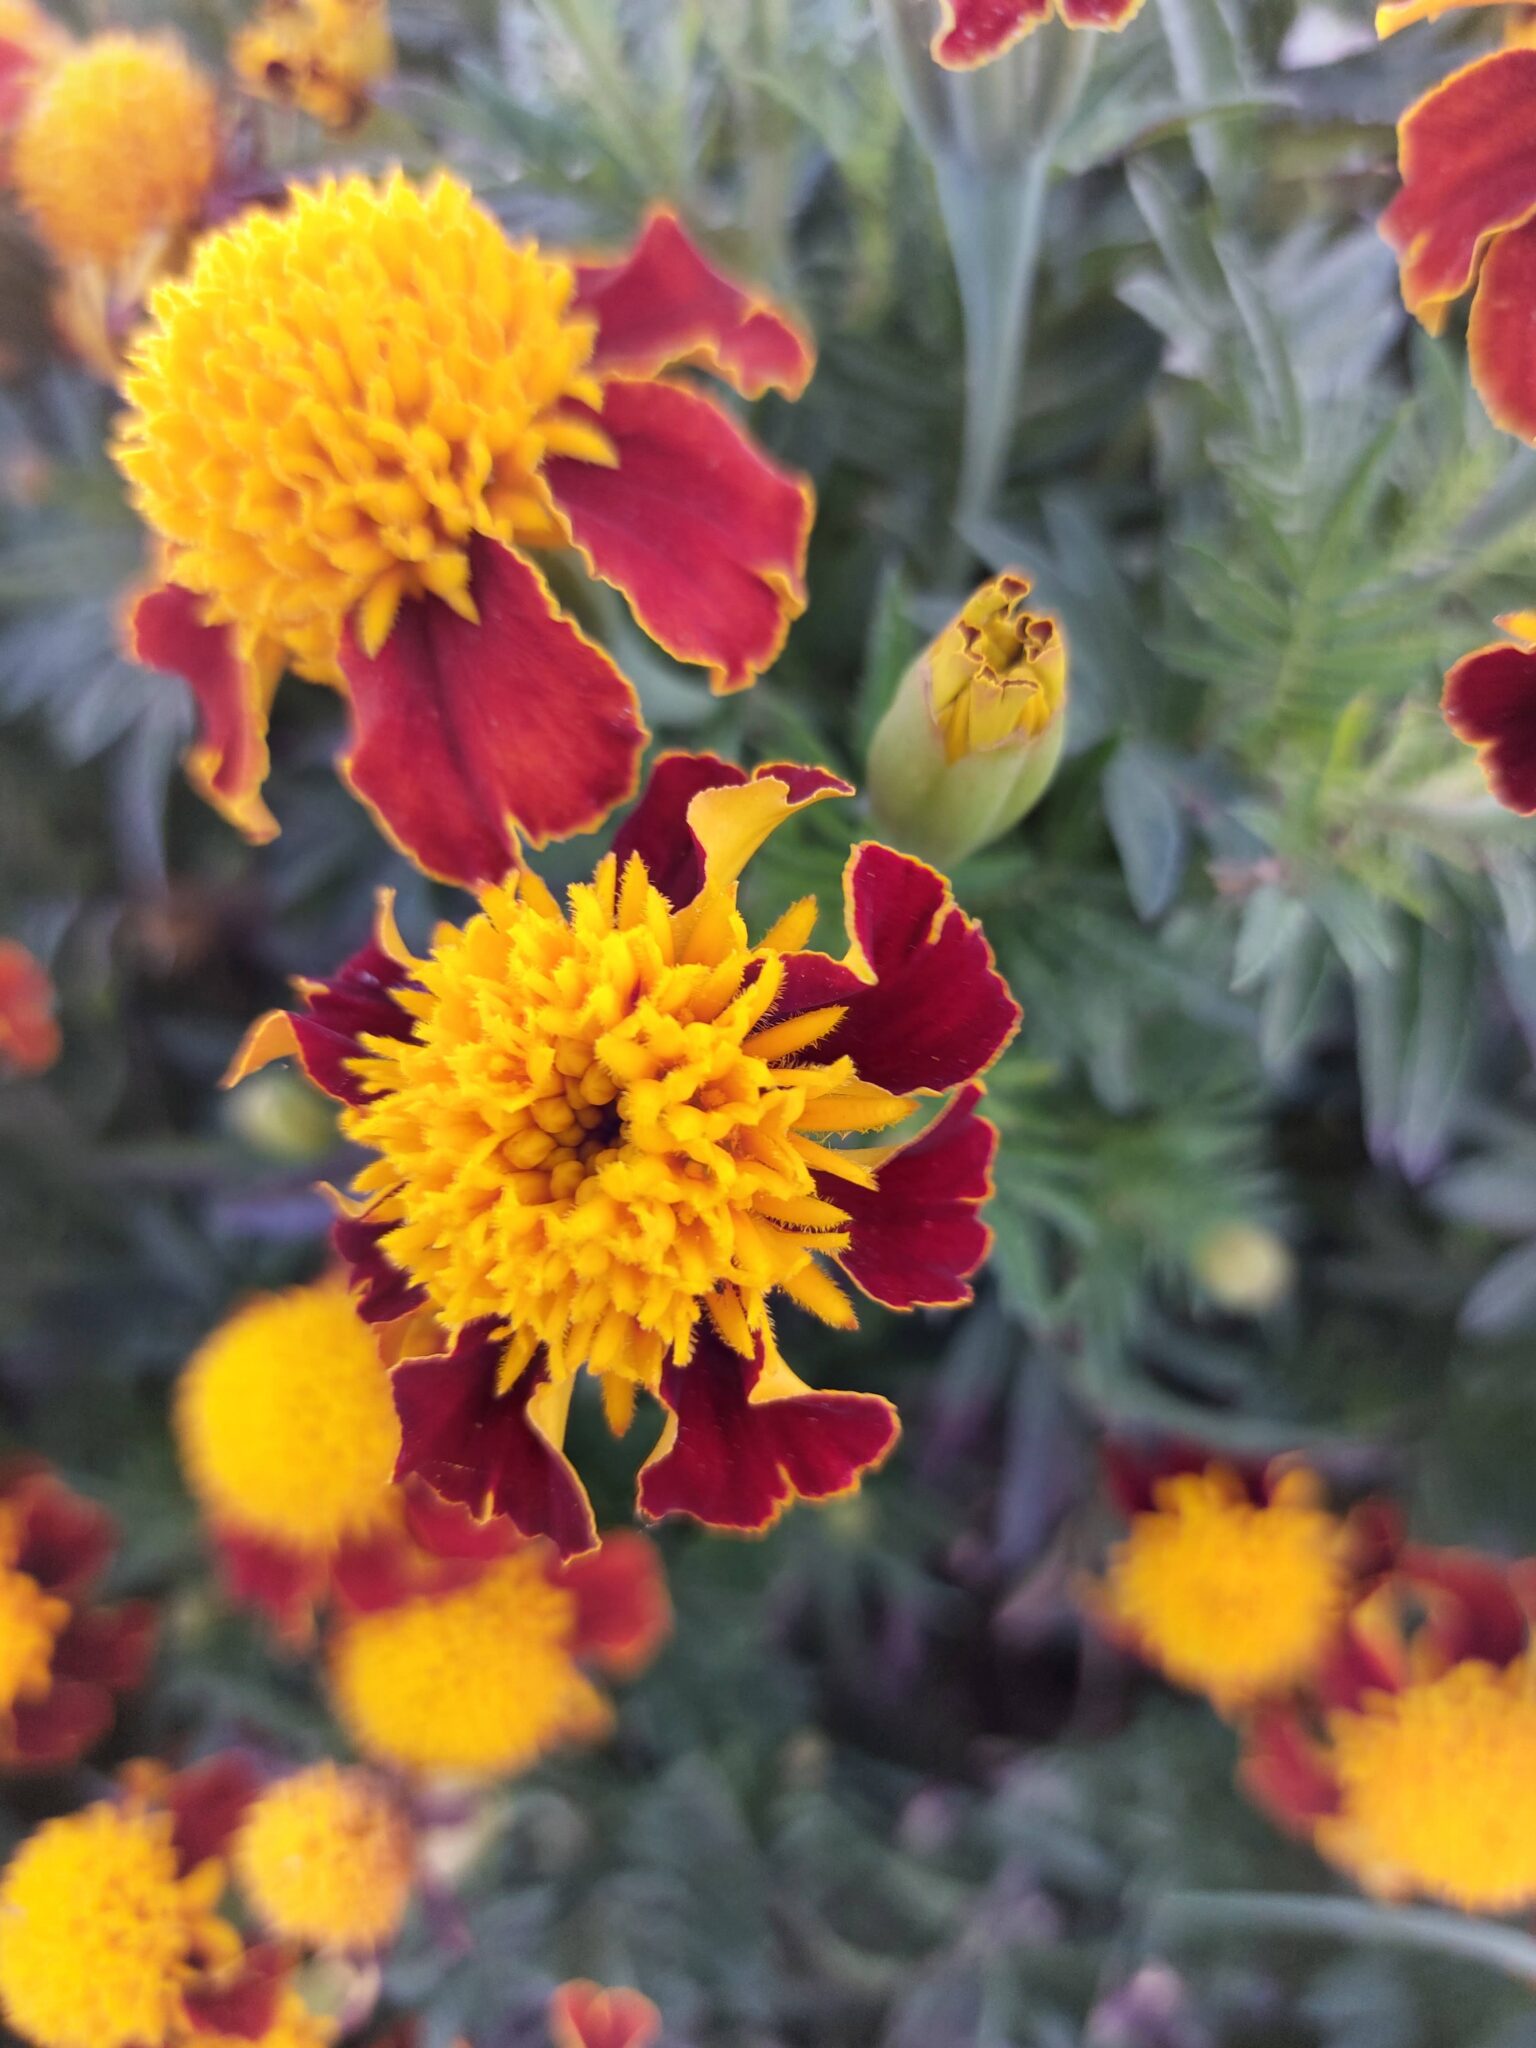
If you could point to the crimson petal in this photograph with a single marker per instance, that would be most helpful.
(1285, 1772)
(69, 1719)
(108, 1646)
(384, 1293)
(1490, 702)
(66, 1541)
(1499, 352)
(208, 1802)
(976, 31)
(243, 2003)
(622, 1608)
(658, 828)
(284, 1584)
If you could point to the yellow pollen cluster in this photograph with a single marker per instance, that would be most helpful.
(285, 1421)
(1438, 1789)
(336, 398)
(997, 673)
(117, 145)
(97, 1931)
(593, 1134)
(325, 1857)
(1230, 1599)
(30, 1622)
(320, 55)
(479, 1682)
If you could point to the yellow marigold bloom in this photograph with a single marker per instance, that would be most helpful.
(1230, 1597)
(1437, 1789)
(285, 1423)
(118, 144)
(98, 1931)
(30, 1621)
(325, 1857)
(480, 1681)
(337, 397)
(319, 55)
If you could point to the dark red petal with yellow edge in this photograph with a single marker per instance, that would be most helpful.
(467, 736)
(483, 1449)
(1490, 702)
(241, 2001)
(733, 1463)
(207, 1803)
(703, 534)
(623, 1612)
(66, 1540)
(69, 1719)
(1502, 331)
(1467, 155)
(384, 1293)
(666, 303)
(227, 764)
(108, 1646)
(658, 828)
(1115, 14)
(585, 2015)
(935, 1011)
(1284, 1770)
(357, 1001)
(30, 1041)
(915, 1239)
(975, 31)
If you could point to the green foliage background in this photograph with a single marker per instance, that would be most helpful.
(1276, 948)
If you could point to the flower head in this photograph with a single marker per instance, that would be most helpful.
(319, 55)
(973, 32)
(607, 1135)
(29, 1031)
(117, 145)
(326, 1857)
(351, 421)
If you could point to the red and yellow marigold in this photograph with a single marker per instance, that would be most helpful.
(973, 32)
(353, 422)
(607, 1135)
(326, 1857)
(29, 1030)
(323, 56)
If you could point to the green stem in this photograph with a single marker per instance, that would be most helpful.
(1509, 1950)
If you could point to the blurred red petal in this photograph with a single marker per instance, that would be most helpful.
(29, 1033)
(1490, 702)
(1284, 1770)
(243, 2001)
(69, 1719)
(585, 2015)
(1501, 335)
(623, 1611)
(208, 1803)
(666, 303)
(469, 735)
(975, 31)
(66, 1540)
(17, 66)
(108, 1646)
(703, 534)
(1472, 1607)
(284, 1584)
(1115, 14)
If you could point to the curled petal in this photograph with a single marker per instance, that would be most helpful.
(1471, 1603)
(1285, 1771)
(584, 2015)
(227, 764)
(745, 1438)
(973, 32)
(1467, 154)
(208, 1803)
(623, 1613)
(1490, 702)
(666, 303)
(704, 535)
(468, 735)
(30, 1041)
(679, 838)
(70, 1718)
(1499, 334)
(384, 1293)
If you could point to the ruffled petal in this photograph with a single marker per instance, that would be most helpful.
(915, 1238)
(584, 2015)
(485, 1449)
(1499, 351)
(740, 1443)
(384, 1293)
(468, 735)
(666, 303)
(973, 32)
(678, 843)
(1490, 702)
(227, 764)
(704, 535)
(623, 1611)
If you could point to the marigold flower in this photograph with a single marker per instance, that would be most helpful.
(351, 421)
(1490, 702)
(973, 32)
(326, 1857)
(319, 55)
(118, 144)
(974, 732)
(587, 2015)
(29, 1031)
(601, 1138)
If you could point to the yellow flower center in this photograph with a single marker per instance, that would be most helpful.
(325, 1857)
(336, 398)
(1225, 1597)
(480, 1681)
(286, 1423)
(118, 144)
(30, 1622)
(999, 672)
(593, 1136)
(1438, 1787)
(96, 1931)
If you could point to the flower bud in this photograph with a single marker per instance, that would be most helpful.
(1244, 1267)
(974, 732)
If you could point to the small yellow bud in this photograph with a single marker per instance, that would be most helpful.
(282, 1117)
(1244, 1267)
(974, 732)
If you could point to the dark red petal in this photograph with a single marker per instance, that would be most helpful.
(469, 735)
(733, 1464)
(666, 303)
(71, 1718)
(208, 1802)
(936, 1012)
(283, 1584)
(657, 828)
(1285, 1772)
(623, 1612)
(1099, 13)
(1134, 1467)
(228, 762)
(242, 2002)
(446, 1529)
(1467, 155)
(110, 1646)
(66, 1540)
(384, 1569)
(1472, 1606)
(705, 536)
(482, 1448)
(1490, 702)
(1501, 335)
(585, 2015)
(30, 1040)
(916, 1238)
(384, 1293)
(976, 31)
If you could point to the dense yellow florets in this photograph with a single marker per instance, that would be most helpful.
(319, 55)
(1227, 1597)
(325, 1857)
(1438, 1789)
(479, 1682)
(592, 1135)
(286, 1423)
(118, 144)
(97, 1931)
(30, 1622)
(337, 397)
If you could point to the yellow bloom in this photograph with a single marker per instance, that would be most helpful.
(30, 1622)
(336, 398)
(480, 1681)
(319, 55)
(285, 1422)
(326, 1857)
(98, 1931)
(117, 145)
(1226, 1596)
